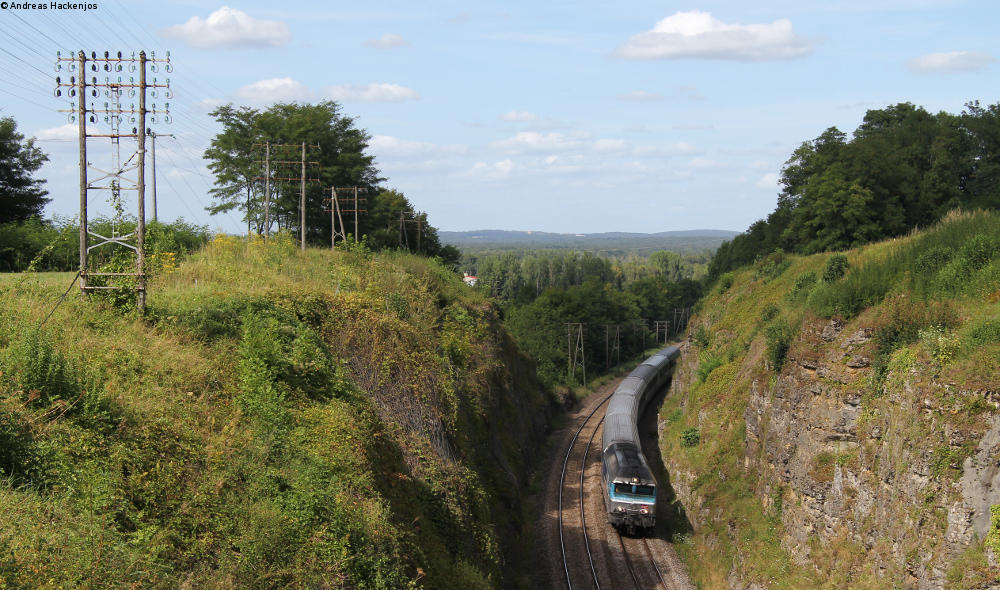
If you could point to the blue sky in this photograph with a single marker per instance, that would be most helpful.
(552, 116)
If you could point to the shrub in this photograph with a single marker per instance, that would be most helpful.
(805, 282)
(725, 282)
(39, 370)
(993, 536)
(702, 337)
(985, 332)
(940, 343)
(979, 251)
(779, 339)
(933, 259)
(706, 368)
(690, 438)
(836, 267)
(771, 266)
(768, 313)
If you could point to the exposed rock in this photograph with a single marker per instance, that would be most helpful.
(981, 479)
(832, 330)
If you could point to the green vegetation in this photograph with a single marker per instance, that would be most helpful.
(277, 419)
(21, 196)
(904, 168)
(924, 310)
(337, 151)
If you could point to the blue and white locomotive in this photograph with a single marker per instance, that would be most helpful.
(628, 484)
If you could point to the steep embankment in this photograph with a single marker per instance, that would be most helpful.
(279, 419)
(835, 422)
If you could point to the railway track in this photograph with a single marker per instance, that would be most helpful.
(591, 558)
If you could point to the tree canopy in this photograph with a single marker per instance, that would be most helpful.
(21, 195)
(336, 156)
(903, 168)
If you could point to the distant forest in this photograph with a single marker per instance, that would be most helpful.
(903, 168)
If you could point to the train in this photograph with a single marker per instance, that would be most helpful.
(628, 485)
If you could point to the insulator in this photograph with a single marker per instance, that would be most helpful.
(58, 92)
(72, 92)
(94, 80)
(93, 55)
(135, 131)
(93, 119)
(72, 79)
(94, 93)
(93, 67)
(106, 55)
(119, 55)
(107, 67)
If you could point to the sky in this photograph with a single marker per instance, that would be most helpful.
(576, 117)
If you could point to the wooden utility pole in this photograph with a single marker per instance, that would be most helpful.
(302, 197)
(301, 179)
(267, 191)
(114, 114)
(577, 358)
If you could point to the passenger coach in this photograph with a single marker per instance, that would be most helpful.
(628, 485)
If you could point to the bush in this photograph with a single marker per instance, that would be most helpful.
(725, 282)
(702, 337)
(836, 267)
(706, 368)
(979, 251)
(985, 332)
(768, 313)
(39, 370)
(933, 259)
(690, 438)
(805, 282)
(771, 266)
(779, 339)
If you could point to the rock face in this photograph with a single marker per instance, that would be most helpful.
(906, 471)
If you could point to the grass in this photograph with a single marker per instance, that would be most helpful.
(930, 303)
(277, 419)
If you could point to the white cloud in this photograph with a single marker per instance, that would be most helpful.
(951, 62)
(387, 41)
(386, 145)
(768, 181)
(698, 35)
(228, 27)
(370, 93)
(273, 90)
(760, 165)
(516, 117)
(495, 172)
(640, 95)
(67, 131)
(526, 141)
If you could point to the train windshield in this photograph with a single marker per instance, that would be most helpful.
(633, 490)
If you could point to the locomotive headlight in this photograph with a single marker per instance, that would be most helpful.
(620, 509)
(643, 509)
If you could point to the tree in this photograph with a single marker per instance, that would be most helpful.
(231, 158)
(236, 156)
(21, 196)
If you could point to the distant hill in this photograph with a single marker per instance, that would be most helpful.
(609, 243)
